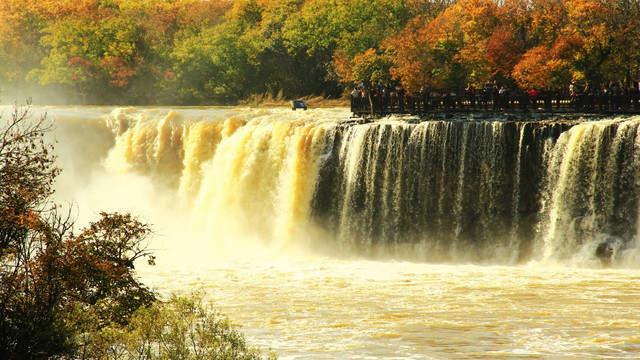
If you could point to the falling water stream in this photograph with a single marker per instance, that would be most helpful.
(328, 239)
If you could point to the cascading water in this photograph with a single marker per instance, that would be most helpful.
(476, 190)
(454, 191)
(299, 225)
(438, 190)
(592, 187)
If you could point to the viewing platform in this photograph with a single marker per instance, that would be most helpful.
(595, 104)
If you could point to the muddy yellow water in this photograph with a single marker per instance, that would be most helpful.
(355, 309)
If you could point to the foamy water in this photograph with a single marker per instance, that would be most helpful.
(229, 190)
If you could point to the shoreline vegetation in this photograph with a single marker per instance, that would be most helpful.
(220, 52)
(268, 100)
(73, 294)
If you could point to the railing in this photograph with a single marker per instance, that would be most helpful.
(623, 103)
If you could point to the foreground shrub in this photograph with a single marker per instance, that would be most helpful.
(181, 328)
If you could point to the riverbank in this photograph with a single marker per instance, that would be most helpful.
(255, 100)
(312, 101)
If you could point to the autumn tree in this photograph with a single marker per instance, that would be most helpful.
(428, 9)
(92, 49)
(545, 66)
(448, 51)
(51, 278)
(625, 25)
(21, 24)
(609, 30)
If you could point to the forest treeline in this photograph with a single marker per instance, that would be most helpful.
(188, 52)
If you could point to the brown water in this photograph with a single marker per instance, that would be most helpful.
(319, 308)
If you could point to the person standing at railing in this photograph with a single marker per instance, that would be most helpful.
(533, 97)
(470, 93)
(355, 98)
(401, 97)
(423, 96)
(503, 100)
(487, 93)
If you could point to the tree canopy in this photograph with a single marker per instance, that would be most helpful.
(218, 51)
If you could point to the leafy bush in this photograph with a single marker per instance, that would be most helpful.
(181, 328)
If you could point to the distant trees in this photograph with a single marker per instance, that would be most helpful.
(448, 51)
(66, 295)
(219, 51)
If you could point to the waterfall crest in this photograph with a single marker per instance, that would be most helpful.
(454, 191)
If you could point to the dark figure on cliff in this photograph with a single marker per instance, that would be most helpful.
(470, 93)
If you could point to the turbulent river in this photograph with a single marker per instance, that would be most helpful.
(327, 239)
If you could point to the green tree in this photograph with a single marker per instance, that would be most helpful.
(213, 66)
(74, 56)
(180, 328)
(278, 71)
(93, 50)
(371, 67)
(335, 32)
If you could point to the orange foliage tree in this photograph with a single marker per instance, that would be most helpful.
(519, 43)
(448, 51)
(504, 50)
(610, 30)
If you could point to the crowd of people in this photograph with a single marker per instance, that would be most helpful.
(393, 98)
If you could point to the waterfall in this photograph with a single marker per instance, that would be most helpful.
(445, 190)
(592, 187)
